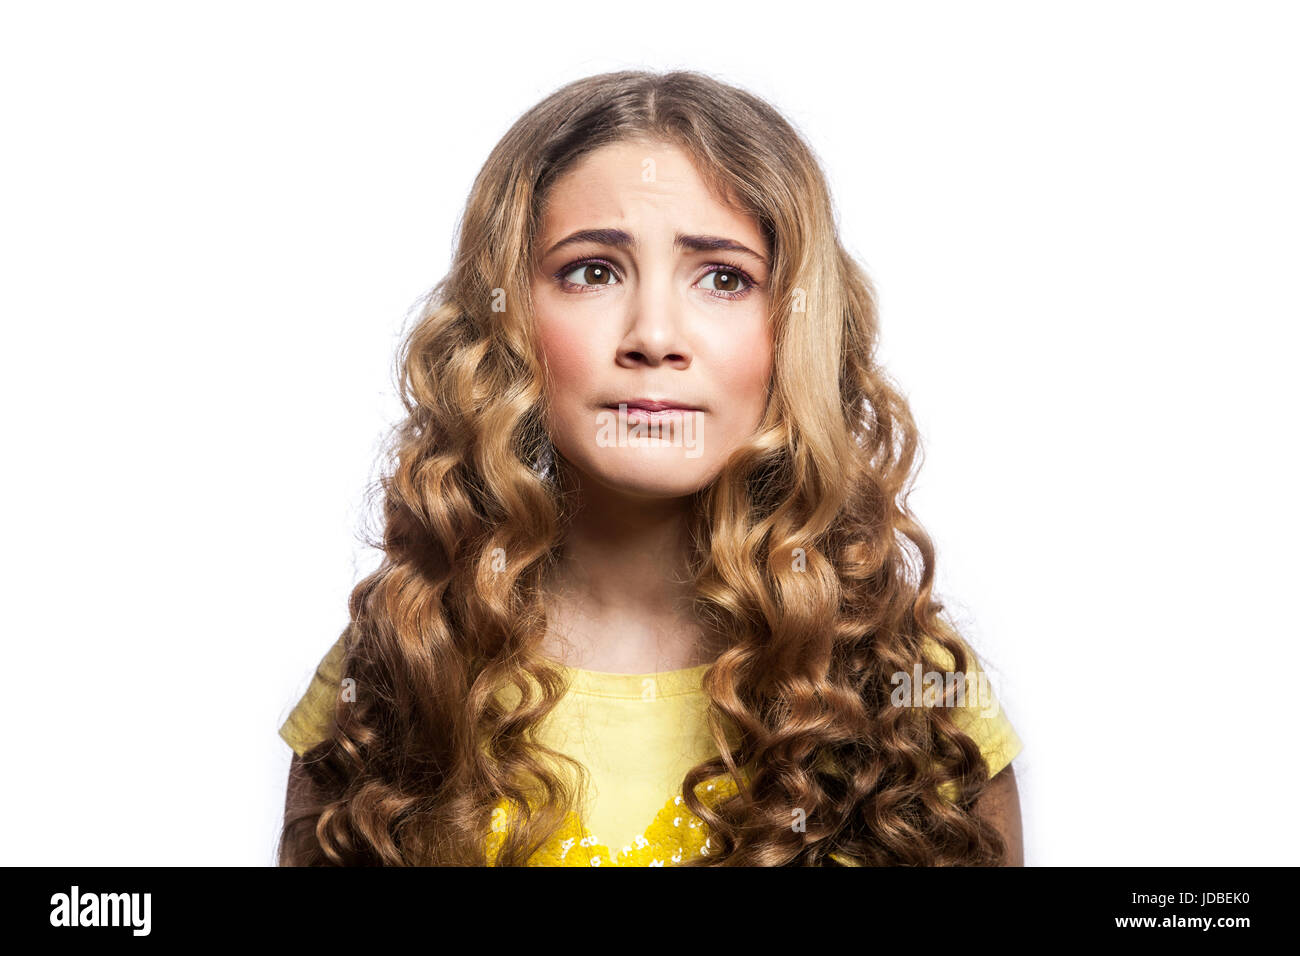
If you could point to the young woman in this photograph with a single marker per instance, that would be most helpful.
(651, 593)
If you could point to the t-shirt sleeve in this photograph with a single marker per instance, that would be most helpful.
(311, 719)
(979, 714)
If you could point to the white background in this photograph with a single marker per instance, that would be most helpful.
(1082, 222)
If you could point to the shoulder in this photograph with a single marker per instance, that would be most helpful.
(311, 718)
(975, 705)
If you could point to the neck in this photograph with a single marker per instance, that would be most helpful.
(620, 596)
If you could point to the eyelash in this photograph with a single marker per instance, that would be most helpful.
(750, 284)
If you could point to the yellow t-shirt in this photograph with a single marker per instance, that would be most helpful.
(637, 735)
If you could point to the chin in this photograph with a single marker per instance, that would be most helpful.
(652, 473)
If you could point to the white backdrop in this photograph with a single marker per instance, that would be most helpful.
(1082, 222)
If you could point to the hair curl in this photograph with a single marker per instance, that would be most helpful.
(414, 767)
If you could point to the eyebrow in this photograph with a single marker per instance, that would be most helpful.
(624, 240)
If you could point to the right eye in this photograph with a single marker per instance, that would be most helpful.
(590, 273)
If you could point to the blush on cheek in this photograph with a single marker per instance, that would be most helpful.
(567, 356)
(748, 370)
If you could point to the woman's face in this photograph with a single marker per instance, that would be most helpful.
(650, 288)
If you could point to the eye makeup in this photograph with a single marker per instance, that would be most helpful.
(713, 267)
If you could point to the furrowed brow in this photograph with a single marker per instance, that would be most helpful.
(714, 244)
(604, 237)
(624, 240)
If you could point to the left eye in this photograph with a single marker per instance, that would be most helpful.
(725, 280)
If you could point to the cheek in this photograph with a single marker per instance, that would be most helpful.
(746, 367)
(566, 350)
(571, 362)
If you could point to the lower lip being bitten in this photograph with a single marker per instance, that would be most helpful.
(634, 413)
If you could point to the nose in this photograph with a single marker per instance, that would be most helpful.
(656, 330)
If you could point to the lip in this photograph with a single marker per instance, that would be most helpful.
(654, 405)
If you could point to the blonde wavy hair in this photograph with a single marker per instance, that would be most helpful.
(414, 767)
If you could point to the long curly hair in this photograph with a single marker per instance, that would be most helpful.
(810, 571)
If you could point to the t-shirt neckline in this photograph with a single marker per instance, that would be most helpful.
(648, 687)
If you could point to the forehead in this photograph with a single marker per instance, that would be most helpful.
(641, 182)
